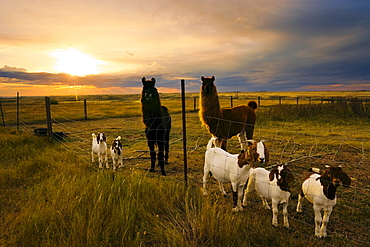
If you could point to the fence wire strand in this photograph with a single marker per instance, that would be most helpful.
(287, 148)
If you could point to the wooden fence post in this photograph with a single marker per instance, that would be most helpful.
(231, 101)
(259, 101)
(297, 101)
(48, 118)
(184, 131)
(279, 100)
(85, 109)
(2, 114)
(195, 104)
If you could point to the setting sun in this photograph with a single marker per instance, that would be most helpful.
(74, 62)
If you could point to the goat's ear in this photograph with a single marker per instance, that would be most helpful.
(213, 78)
(346, 180)
(289, 177)
(202, 78)
(241, 159)
(143, 79)
(153, 80)
(324, 179)
(272, 174)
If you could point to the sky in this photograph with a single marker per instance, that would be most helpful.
(67, 47)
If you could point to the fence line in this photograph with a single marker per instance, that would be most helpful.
(33, 106)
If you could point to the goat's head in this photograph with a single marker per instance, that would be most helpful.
(334, 175)
(101, 138)
(208, 85)
(283, 175)
(247, 157)
(149, 91)
(261, 149)
(117, 145)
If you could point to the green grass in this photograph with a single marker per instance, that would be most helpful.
(51, 194)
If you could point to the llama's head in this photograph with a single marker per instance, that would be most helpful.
(149, 91)
(208, 85)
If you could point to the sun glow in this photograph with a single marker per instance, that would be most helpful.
(74, 62)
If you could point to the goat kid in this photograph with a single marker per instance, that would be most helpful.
(228, 168)
(116, 153)
(272, 185)
(320, 190)
(99, 147)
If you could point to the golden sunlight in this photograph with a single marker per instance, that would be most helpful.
(74, 62)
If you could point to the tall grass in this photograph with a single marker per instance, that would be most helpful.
(53, 198)
(333, 113)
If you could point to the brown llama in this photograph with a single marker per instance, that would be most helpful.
(227, 122)
(157, 124)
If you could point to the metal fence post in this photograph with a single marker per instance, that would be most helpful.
(184, 131)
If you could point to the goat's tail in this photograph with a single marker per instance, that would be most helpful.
(118, 138)
(93, 135)
(210, 142)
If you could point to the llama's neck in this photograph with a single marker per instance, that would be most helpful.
(152, 114)
(210, 105)
(151, 110)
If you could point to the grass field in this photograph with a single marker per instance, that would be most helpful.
(52, 195)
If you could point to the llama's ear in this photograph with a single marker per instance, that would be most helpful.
(202, 78)
(213, 78)
(153, 80)
(143, 79)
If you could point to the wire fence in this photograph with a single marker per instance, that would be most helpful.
(301, 149)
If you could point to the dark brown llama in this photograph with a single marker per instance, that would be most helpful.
(158, 124)
(228, 122)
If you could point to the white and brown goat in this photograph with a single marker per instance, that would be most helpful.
(272, 185)
(116, 153)
(228, 168)
(99, 147)
(320, 190)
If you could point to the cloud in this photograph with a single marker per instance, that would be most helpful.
(267, 45)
